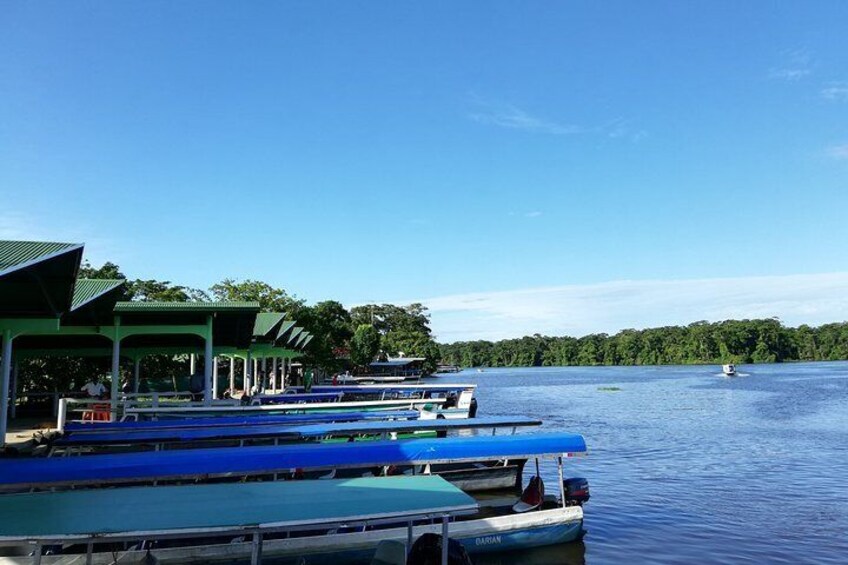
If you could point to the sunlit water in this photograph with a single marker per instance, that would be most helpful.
(688, 466)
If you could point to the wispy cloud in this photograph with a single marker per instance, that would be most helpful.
(624, 129)
(838, 151)
(836, 91)
(512, 117)
(796, 64)
(609, 307)
(533, 214)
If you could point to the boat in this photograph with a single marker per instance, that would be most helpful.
(367, 379)
(448, 368)
(141, 410)
(495, 474)
(205, 523)
(472, 477)
(246, 420)
(459, 397)
(200, 525)
(729, 370)
(268, 461)
(406, 368)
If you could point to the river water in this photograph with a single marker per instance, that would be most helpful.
(688, 466)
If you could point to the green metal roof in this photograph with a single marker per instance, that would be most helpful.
(266, 323)
(87, 290)
(37, 278)
(233, 321)
(193, 307)
(294, 333)
(16, 255)
(306, 341)
(284, 327)
(301, 338)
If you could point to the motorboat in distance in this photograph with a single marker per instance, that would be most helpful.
(729, 370)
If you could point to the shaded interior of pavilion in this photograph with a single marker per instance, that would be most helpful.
(47, 311)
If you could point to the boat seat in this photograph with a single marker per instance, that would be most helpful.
(390, 552)
(98, 413)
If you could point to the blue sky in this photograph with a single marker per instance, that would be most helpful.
(462, 153)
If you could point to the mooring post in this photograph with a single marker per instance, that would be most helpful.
(256, 550)
(561, 481)
(445, 539)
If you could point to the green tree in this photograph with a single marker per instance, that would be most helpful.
(270, 299)
(329, 322)
(364, 345)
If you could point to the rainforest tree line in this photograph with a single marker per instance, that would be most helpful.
(731, 341)
(346, 337)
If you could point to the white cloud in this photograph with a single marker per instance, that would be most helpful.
(508, 116)
(612, 306)
(533, 214)
(837, 91)
(796, 65)
(623, 129)
(789, 74)
(838, 151)
(512, 117)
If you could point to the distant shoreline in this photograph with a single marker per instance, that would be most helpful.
(700, 343)
(793, 362)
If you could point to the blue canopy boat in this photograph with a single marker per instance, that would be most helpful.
(429, 407)
(245, 420)
(276, 431)
(224, 462)
(459, 401)
(499, 525)
(483, 475)
(298, 398)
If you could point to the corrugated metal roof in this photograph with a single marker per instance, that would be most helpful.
(266, 322)
(199, 307)
(16, 255)
(87, 290)
(300, 340)
(294, 333)
(284, 327)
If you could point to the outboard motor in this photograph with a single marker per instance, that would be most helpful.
(472, 410)
(576, 491)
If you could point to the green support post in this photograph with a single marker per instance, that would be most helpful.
(116, 370)
(5, 371)
(207, 363)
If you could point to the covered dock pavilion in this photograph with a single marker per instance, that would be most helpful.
(45, 310)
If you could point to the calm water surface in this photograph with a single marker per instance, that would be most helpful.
(687, 466)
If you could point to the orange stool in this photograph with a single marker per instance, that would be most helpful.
(98, 413)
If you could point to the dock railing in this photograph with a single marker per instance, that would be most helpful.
(68, 405)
